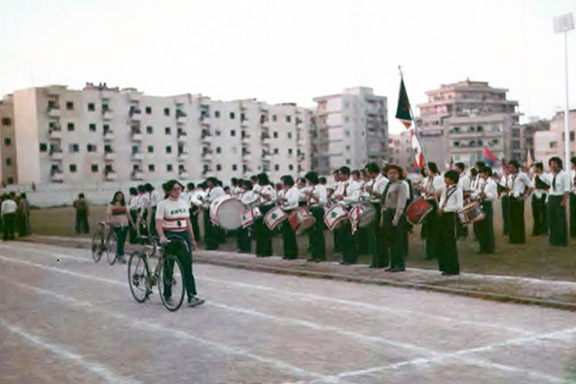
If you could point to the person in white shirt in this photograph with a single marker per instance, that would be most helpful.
(520, 187)
(266, 199)
(8, 211)
(504, 199)
(346, 194)
(464, 184)
(173, 224)
(485, 227)
(558, 198)
(289, 203)
(133, 210)
(434, 189)
(316, 201)
(539, 197)
(212, 234)
(451, 201)
(331, 191)
(243, 244)
(373, 191)
(154, 198)
(190, 197)
(143, 204)
(573, 199)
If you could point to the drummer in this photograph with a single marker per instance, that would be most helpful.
(362, 235)
(464, 184)
(316, 201)
(330, 196)
(266, 200)
(433, 188)
(451, 201)
(374, 188)
(393, 219)
(243, 234)
(211, 233)
(486, 226)
(289, 203)
(346, 195)
(539, 198)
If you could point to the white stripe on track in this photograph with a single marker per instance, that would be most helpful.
(63, 352)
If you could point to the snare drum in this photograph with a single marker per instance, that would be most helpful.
(418, 210)
(249, 216)
(226, 212)
(301, 219)
(275, 217)
(472, 213)
(334, 216)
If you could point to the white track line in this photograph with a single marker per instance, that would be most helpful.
(170, 331)
(63, 352)
(365, 306)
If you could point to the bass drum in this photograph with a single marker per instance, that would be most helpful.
(301, 219)
(226, 212)
(418, 210)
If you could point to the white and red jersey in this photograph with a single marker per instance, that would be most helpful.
(174, 214)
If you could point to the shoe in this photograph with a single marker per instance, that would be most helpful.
(345, 263)
(319, 260)
(398, 270)
(311, 259)
(122, 259)
(195, 301)
(169, 300)
(389, 269)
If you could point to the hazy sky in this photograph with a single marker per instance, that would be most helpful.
(289, 51)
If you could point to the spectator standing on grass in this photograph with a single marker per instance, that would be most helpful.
(82, 213)
(451, 201)
(559, 194)
(520, 187)
(539, 197)
(23, 215)
(8, 212)
(119, 218)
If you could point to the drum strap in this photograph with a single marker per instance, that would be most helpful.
(449, 195)
(385, 193)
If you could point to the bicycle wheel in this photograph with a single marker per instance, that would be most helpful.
(171, 283)
(138, 277)
(111, 247)
(97, 245)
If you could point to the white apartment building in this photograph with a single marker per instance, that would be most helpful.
(352, 129)
(462, 117)
(400, 150)
(101, 134)
(550, 143)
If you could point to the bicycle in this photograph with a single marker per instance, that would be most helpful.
(104, 240)
(168, 272)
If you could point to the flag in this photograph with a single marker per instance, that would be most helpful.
(489, 157)
(529, 160)
(403, 111)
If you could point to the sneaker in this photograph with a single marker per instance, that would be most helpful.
(195, 301)
(121, 259)
(169, 300)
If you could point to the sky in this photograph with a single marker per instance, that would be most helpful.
(291, 51)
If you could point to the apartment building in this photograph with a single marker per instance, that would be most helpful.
(549, 143)
(97, 134)
(352, 129)
(461, 118)
(400, 150)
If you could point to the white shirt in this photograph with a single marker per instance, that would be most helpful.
(561, 185)
(173, 214)
(377, 185)
(464, 182)
(350, 190)
(490, 190)
(292, 196)
(452, 198)
(247, 197)
(133, 203)
(538, 193)
(434, 185)
(518, 183)
(155, 198)
(478, 186)
(271, 192)
(215, 193)
(8, 206)
(237, 192)
(143, 202)
(319, 196)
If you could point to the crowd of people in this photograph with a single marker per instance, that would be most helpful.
(14, 216)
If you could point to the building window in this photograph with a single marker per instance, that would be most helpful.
(149, 130)
(347, 119)
(91, 147)
(7, 141)
(92, 127)
(72, 168)
(70, 126)
(148, 110)
(289, 151)
(91, 107)
(289, 135)
(291, 167)
(108, 148)
(234, 167)
(94, 168)
(168, 149)
(6, 121)
(151, 167)
(232, 115)
(70, 105)
(218, 167)
(74, 148)
(348, 162)
(43, 147)
(276, 167)
(275, 151)
(274, 118)
(218, 150)
(169, 167)
(9, 161)
(150, 149)
(166, 111)
(232, 132)
(275, 135)
(348, 148)
(167, 130)
(217, 114)
(288, 118)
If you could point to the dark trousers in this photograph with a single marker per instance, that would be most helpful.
(142, 224)
(336, 240)
(432, 235)
(152, 222)
(347, 243)
(263, 235)
(81, 222)
(448, 255)
(195, 226)
(461, 229)
(486, 229)
(316, 235)
(516, 222)
(572, 215)
(186, 261)
(557, 221)
(9, 226)
(210, 232)
(121, 234)
(540, 226)
(505, 207)
(379, 255)
(363, 236)
(289, 243)
(132, 231)
(393, 239)
(243, 240)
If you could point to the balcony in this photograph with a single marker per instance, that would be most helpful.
(108, 135)
(181, 117)
(134, 97)
(57, 155)
(245, 139)
(137, 175)
(184, 174)
(206, 139)
(109, 156)
(207, 159)
(182, 156)
(53, 91)
(55, 134)
(111, 176)
(135, 114)
(57, 176)
(107, 115)
(207, 155)
(245, 123)
(137, 136)
(53, 112)
(137, 156)
(205, 120)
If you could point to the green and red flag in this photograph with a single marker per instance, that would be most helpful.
(403, 111)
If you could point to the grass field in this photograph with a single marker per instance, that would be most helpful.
(533, 259)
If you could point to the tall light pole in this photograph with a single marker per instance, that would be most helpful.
(563, 24)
